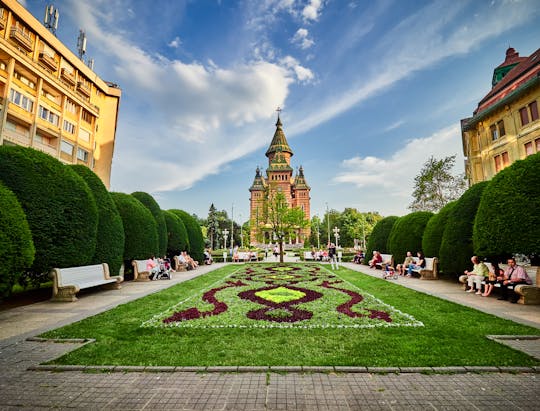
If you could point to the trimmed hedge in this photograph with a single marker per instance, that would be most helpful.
(456, 245)
(110, 230)
(196, 241)
(378, 239)
(176, 234)
(60, 209)
(431, 241)
(148, 201)
(140, 228)
(16, 247)
(407, 233)
(508, 217)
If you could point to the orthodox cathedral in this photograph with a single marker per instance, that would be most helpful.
(279, 177)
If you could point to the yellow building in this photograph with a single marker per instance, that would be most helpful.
(279, 177)
(505, 126)
(49, 99)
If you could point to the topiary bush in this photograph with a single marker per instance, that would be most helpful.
(176, 234)
(378, 240)
(431, 242)
(59, 207)
(196, 241)
(407, 233)
(149, 202)
(508, 217)
(16, 246)
(110, 230)
(456, 245)
(140, 228)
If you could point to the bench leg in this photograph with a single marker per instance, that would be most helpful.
(112, 286)
(144, 276)
(65, 294)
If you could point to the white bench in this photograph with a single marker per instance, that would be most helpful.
(385, 258)
(69, 281)
(429, 272)
(245, 256)
(178, 266)
(308, 255)
(140, 273)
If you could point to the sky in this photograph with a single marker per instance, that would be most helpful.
(369, 90)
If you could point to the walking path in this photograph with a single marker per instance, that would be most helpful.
(315, 388)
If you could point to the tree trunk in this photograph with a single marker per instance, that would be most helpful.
(281, 251)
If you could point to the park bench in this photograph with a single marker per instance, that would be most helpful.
(140, 273)
(69, 281)
(429, 272)
(385, 258)
(245, 256)
(308, 255)
(179, 266)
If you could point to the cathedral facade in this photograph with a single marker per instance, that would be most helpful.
(279, 177)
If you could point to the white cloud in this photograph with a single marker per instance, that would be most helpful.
(312, 10)
(392, 177)
(175, 43)
(302, 39)
(393, 126)
(302, 73)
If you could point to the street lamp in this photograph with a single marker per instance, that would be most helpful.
(336, 234)
(225, 236)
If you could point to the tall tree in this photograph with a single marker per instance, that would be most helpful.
(212, 225)
(435, 186)
(283, 219)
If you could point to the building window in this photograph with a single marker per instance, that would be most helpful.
(529, 149)
(537, 142)
(21, 100)
(71, 106)
(66, 147)
(82, 154)
(500, 126)
(524, 116)
(48, 115)
(533, 107)
(501, 161)
(505, 159)
(86, 116)
(69, 127)
(494, 132)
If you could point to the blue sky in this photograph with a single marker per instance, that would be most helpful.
(369, 90)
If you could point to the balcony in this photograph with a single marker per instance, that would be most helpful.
(2, 21)
(21, 139)
(83, 88)
(48, 61)
(22, 38)
(46, 148)
(68, 77)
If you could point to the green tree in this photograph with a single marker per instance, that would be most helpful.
(508, 217)
(435, 186)
(315, 236)
(60, 209)
(212, 225)
(456, 245)
(110, 230)
(176, 234)
(431, 242)
(196, 241)
(407, 233)
(151, 204)
(16, 247)
(284, 220)
(378, 240)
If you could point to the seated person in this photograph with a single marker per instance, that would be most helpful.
(207, 257)
(498, 272)
(513, 276)
(152, 267)
(191, 263)
(359, 257)
(477, 275)
(402, 268)
(377, 258)
(421, 263)
(389, 271)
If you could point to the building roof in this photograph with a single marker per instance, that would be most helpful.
(526, 69)
(300, 180)
(258, 181)
(279, 142)
(279, 163)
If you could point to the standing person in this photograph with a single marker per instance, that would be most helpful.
(276, 251)
(479, 273)
(421, 263)
(513, 276)
(332, 256)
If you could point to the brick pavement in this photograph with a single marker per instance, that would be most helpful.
(21, 388)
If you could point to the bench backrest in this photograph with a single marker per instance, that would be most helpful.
(81, 275)
(243, 255)
(429, 262)
(141, 266)
(307, 255)
(387, 257)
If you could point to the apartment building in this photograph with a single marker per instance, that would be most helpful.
(505, 127)
(49, 99)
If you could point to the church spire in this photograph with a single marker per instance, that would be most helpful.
(279, 142)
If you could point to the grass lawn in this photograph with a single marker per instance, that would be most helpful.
(425, 330)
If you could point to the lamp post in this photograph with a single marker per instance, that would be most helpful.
(336, 234)
(225, 236)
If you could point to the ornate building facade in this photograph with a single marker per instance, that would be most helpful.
(279, 177)
(505, 127)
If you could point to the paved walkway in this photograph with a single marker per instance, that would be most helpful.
(22, 387)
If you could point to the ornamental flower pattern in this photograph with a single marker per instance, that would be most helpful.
(290, 296)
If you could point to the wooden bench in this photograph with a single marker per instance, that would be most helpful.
(385, 258)
(140, 273)
(179, 266)
(69, 281)
(429, 272)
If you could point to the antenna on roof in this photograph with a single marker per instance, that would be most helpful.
(51, 18)
(91, 64)
(81, 44)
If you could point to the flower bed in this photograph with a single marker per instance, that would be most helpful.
(290, 296)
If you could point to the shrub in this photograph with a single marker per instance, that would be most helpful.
(196, 241)
(16, 246)
(148, 201)
(456, 245)
(508, 217)
(110, 230)
(407, 233)
(378, 240)
(431, 242)
(176, 234)
(140, 228)
(59, 207)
